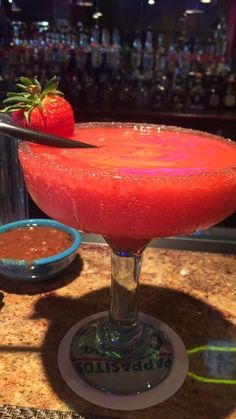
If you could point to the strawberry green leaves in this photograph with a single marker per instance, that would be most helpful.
(52, 87)
(30, 95)
(40, 108)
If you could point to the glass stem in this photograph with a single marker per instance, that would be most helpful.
(123, 325)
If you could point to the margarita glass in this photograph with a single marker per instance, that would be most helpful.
(142, 181)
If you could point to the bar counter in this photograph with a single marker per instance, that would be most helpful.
(192, 291)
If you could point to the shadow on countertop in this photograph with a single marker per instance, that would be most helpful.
(36, 287)
(197, 324)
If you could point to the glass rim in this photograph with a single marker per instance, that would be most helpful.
(86, 125)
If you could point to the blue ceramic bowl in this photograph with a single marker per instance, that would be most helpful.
(44, 268)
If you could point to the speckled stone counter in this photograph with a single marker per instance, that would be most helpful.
(193, 292)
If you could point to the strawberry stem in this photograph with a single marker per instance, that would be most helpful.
(30, 95)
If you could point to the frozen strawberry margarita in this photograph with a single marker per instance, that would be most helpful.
(142, 181)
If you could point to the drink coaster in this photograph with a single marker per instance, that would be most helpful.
(168, 383)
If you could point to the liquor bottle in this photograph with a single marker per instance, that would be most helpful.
(171, 60)
(148, 55)
(213, 96)
(197, 95)
(160, 55)
(90, 92)
(82, 51)
(159, 92)
(141, 93)
(223, 67)
(123, 91)
(74, 93)
(220, 36)
(114, 51)
(71, 64)
(106, 38)
(105, 94)
(177, 95)
(126, 61)
(185, 59)
(96, 49)
(136, 54)
(229, 98)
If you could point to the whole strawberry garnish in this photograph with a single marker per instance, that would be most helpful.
(42, 110)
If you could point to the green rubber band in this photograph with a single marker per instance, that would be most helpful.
(211, 348)
(211, 380)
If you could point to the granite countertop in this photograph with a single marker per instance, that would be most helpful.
(191, 291)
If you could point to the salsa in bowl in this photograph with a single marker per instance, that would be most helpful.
(36, 249)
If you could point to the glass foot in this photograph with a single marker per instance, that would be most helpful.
(153, 369)
(117, 368)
